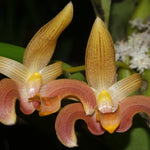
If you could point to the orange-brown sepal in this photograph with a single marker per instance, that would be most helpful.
(65, 123)
(65, 88)
(46, 105)
(131, 106)
(110, 121)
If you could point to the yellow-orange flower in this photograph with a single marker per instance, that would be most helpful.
(113, 111)
(27, 79)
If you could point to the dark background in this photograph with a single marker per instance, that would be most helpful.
(21, 19)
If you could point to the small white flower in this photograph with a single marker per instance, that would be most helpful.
(136, 47)
(139, 24)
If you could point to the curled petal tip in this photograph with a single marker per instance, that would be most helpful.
(65, 124)
(41, 47)
(131, 106)
(8, 96)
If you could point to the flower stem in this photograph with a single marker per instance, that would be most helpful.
(75, 69)
(82, 68)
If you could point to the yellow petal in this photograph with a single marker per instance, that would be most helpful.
(110, 121)
(51, 72)
(100, 57)
(124, 87)
(41, 47)
(14, 70)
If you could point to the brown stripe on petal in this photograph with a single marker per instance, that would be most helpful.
(41, 47)
(100, 57)
(124, 87)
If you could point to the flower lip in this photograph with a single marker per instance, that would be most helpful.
(104, 102)
(110, 121)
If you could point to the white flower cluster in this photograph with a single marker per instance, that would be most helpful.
(138, 23)
(136, 48)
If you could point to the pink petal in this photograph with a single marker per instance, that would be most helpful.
(131, 106)
(74, 88)
(25, 105)
(65, 123)
(8, 96)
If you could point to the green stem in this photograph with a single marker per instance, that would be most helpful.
(146, 76)
(75, 69)
(124, 66)
(82, 68)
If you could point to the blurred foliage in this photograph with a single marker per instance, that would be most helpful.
(12, 51)
(19, 20)
(119, 18)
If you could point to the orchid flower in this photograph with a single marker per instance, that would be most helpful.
(113, 109)
(32, 82)
(27, 79)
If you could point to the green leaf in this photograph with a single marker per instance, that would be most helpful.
(139, 140)
(77, 75)
(146, 77)
(12, 51)
(136, 138)
(119, 17)
(102, 9)
(106, 7)
(142, 12)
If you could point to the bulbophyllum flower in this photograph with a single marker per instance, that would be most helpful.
(27, 79)
(113, 109)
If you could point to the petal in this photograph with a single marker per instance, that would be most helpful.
(34, 84)
(65, 124)
(46, 105)
(51, 72)
(124, 87)
(131, 106)
(25, 106)
(41, 47)
(14, 70)
(100, 57)
(8, 96)
(110, 121)
(74, 88)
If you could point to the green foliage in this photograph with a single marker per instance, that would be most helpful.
(142, 12)
(119, 17)
(12, 51)
(136, 138)
(76, 75)
(102, 9)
